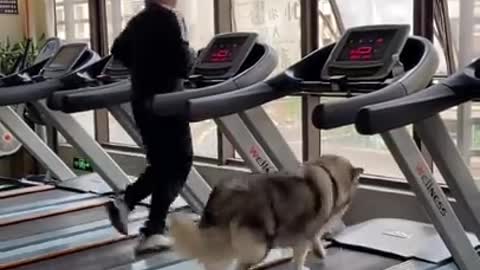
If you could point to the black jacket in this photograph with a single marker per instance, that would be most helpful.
(152, 48)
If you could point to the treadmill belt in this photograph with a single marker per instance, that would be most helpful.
(53, 223)
(120, 254)
(16, 191)
(36, 198)
(35, 250)
(344, 259)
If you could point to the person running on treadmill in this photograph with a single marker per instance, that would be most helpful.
(155, 49)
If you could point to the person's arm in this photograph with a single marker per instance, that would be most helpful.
(122, 47)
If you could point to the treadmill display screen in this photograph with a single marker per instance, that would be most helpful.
(65, 57)
(367, 46)
(367, 53)
(225, 50)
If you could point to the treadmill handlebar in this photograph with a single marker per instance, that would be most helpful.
(28, 93)
(57, 101)
(216, 106)
(97, 98)
(454, 90)
(175, 103)
(337, 114)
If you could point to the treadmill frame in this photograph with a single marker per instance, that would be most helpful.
(428, 191)
(35, 146)
(78, 137)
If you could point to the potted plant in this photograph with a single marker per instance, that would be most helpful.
(11, 52)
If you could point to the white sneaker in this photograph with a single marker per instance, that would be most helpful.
(118, 212)
(153, 243)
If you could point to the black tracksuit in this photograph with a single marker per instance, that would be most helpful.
(158, 58)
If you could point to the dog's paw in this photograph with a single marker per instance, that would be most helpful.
(319, 250)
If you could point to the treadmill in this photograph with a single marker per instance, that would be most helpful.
(252, 62)
(71, 58)
(17, 132)
(44, 223)
(82, 237)
(422, 109)
(367, 61)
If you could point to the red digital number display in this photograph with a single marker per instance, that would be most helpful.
(366, 46)
(361, 53)
(221, 56)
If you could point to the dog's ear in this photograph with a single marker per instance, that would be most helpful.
(356, 172)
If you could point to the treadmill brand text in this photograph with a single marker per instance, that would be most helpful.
(260, 160)
(429, 183)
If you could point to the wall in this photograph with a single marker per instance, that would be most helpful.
(41, 16)
(11, 26)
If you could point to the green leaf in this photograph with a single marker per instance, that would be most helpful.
(10, 52)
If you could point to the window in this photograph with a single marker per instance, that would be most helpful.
(200, 22)
(364, 12)
(464, 19)
(81, 11)
(278, 24)
(85, 119)
(327, 24)
(286, 114)
(82, 31)
(73, 20)
(60, 14)
(118, 15)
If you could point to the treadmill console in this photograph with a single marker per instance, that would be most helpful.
(367, 53)
(225, 55)
(50, 47)
(65, 59)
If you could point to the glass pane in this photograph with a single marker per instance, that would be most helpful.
(287, 116)
(464, 20)
(205, 142)
(60, 13)
(369, 152)
(442, 66)
(327, 25)
(73, 20)
(365, 12)
(117, 134)
(118, 15)
(200, 22)
(86, 120)
(80, 11)
(278, 24)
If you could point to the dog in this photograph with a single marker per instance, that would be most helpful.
(248, 216)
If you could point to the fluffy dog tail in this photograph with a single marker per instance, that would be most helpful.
(209, 245)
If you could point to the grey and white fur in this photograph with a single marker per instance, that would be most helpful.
(247, 217)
